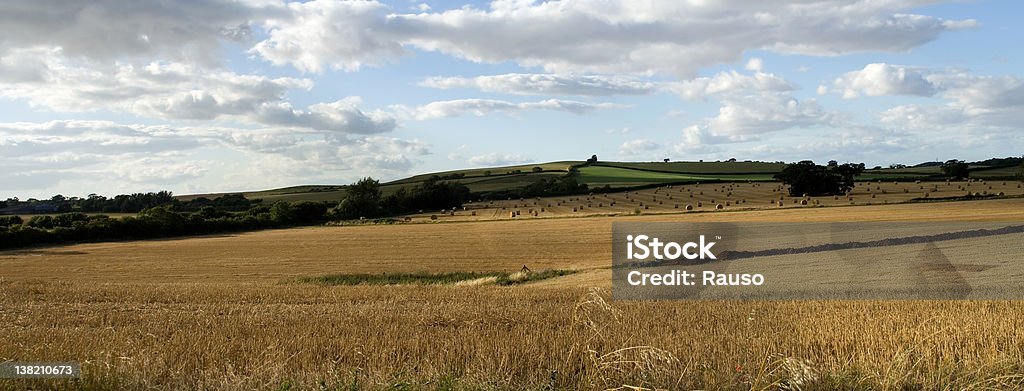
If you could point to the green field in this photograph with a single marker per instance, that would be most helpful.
(598, 176)
(711, 168)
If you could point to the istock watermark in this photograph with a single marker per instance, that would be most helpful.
(812, 261)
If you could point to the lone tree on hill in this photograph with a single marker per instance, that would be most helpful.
(593, 159)
(955, 169)
(808, 178)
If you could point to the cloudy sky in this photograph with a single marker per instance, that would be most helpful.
(206, 96)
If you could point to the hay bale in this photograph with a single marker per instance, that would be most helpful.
(803, 202)
(719, 206)
(433, 217)
(781, 203)
(574, 209)
(700, 204)
(473, 213)
(689, 207)
(407, 218)
(1001, 194)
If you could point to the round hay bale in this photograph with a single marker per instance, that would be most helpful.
(700, 204)
(473, 213)
(803, 202)
(1001, 194)
(689, 207)
(433, 217)
(573, 209)
(719, 206)
(780, 203)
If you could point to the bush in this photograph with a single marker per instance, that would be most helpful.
(7, 221)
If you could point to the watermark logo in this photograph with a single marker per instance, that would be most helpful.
(815, 261)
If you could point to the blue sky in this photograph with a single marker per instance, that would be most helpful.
(227, 96)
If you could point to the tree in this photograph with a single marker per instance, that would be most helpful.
(957, 169)
(593, 159)
(808, 178)
(538, 169)
(362, 199)
(666, 160)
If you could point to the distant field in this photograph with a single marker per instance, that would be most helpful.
(598, 176)
(702, 167)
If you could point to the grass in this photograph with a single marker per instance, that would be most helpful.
(425, 278)
(416, 278)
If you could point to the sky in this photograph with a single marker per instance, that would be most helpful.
(112, 97)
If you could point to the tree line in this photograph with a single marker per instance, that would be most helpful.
(224, 214)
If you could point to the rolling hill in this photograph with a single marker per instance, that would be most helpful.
(614, 175)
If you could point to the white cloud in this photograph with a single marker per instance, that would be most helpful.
(885, 79)
(43, 155)
(747, 118)
(637, 147)
(572, 36)
(480, 107)
(972, 104)
(755, 64)
(341, 34)
(178, 91)
(729, 83)
(79, 154)
(546, 84)
(496, 159)
(107, 30)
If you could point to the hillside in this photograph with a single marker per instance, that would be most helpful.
(615, 175)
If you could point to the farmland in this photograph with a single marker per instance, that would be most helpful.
(618, 175)
(230, 312)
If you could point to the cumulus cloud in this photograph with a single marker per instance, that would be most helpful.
(546, 84)
(340, 34)
(573, 36)
(70, 153)
(972, 103)
(42, 155)
(750, 117)
(106, 30)
(480, 107)
(497, 159)
(885, 79)
(179, 91)
(729, 83)
(637, 147)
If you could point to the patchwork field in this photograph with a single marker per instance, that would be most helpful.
(228, 312)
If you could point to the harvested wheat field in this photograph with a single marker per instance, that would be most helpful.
(229, 312)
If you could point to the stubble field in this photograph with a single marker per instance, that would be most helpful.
(226, 312)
